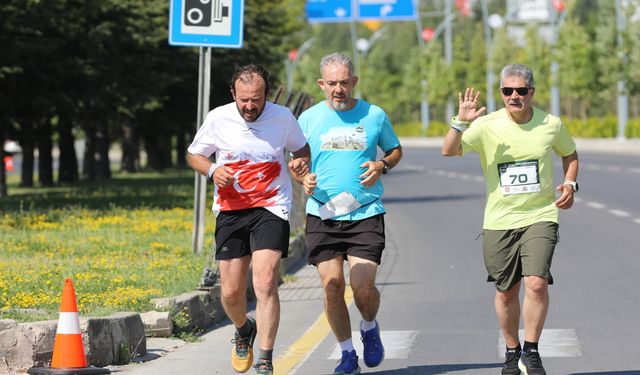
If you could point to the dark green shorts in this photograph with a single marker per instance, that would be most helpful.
(511, 254)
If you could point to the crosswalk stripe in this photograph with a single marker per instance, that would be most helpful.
(553, 343)
(397, 344)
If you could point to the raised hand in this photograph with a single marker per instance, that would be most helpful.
(468, 105)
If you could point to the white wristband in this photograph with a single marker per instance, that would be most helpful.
(459, 126)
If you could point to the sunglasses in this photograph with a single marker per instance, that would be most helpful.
(522, 91)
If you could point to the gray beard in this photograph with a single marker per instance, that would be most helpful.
(340, 106)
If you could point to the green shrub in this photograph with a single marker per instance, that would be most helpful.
(414, 129)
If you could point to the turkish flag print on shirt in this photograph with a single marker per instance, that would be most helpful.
(252, 186)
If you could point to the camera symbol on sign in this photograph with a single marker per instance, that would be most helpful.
(204, 12)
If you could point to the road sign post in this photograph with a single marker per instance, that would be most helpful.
(204, 24)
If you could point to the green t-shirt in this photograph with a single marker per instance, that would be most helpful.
(517, 162)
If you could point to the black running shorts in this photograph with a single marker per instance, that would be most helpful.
(327, 239)
(240, 232)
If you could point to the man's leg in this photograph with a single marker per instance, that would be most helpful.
(535, 306)
(335, 308)
(508, 311)
(362, 276)
(233, 282)
(266, 264)
(367, 297)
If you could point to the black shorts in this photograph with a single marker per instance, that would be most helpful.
(240, 232)
(327, 239)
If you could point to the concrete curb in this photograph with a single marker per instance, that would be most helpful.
(122, 337)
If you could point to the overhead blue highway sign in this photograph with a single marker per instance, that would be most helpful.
(206, 23)
(329, 10)
(386, 10)
(359, 10)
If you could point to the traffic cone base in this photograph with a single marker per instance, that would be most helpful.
(67, 371)
(68, 350)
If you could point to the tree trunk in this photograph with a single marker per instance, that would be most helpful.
(181, 149)
(26, 177)
(102, 143)
(130, 150)
(158, 152)
(45, 158)
(68, 168)
(89, 160)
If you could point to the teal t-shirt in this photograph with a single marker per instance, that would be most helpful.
(340, 142)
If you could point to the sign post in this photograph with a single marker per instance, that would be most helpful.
(204, 24)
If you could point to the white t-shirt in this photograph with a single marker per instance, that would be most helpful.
(255, 152)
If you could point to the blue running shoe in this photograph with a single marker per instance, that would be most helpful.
(373, 349)
(348, 364)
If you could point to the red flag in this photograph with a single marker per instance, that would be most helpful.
(252, 185)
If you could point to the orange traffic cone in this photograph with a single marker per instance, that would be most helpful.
(68, 352)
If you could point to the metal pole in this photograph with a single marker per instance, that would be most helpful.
(200, 191)
(491, 101)
(424, 98)
(555, 91)
(623, 99)
(448, 52)
(356, 60)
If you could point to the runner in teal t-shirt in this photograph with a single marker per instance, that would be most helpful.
(345, 218)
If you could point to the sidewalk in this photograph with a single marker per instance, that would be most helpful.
(598, 145)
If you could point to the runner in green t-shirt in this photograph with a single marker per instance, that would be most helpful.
(516, 146)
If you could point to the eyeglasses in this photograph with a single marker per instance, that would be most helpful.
(522, 91)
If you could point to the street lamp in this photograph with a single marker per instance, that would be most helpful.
(363, 46)
(557, 18)
(493, 21)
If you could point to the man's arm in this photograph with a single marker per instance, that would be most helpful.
(199, 163)
(570, 166)
(300, 163)
(375, 168)
(219, 174)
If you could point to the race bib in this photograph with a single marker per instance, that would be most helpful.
(519, 177)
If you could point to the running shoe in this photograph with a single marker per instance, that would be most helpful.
(373, 349)
(510, 366)
(531, 364)
(348, 364)
(264, 367)
(242, 351)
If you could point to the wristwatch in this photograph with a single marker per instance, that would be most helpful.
(573, 184)
(385, 167)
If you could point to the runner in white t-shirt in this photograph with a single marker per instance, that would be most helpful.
(252, 200)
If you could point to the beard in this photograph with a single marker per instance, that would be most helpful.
(250, 115)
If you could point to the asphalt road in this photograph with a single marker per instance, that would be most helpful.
(437, 313)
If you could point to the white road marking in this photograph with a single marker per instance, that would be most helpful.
(637, 220)
(397, 344)
(553, 343)
(619, 213)
(596, 205)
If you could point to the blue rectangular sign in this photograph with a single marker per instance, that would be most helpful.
(329, 10)
(359, 10)
(206, 23)
(386, 10)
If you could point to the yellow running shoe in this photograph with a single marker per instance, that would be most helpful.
(242, 351)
